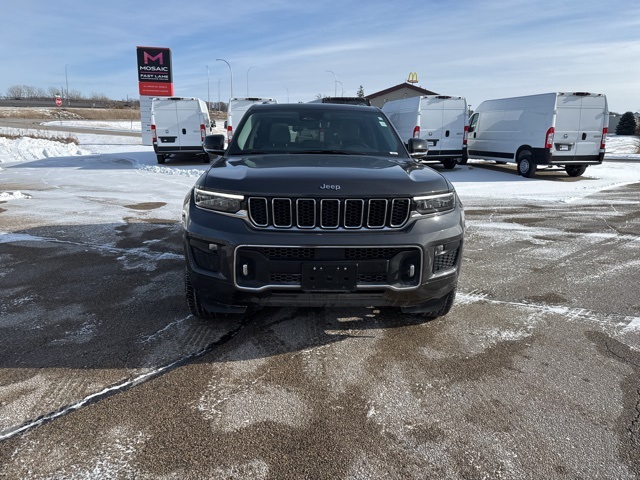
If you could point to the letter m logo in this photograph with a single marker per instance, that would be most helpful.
(148, 57)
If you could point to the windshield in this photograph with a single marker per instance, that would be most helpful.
(349, 132)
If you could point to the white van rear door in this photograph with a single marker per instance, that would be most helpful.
(431, 123)
(578, 126)
(592, 120)
(189, 121)
(166, 122)
(454, 119)
(404, 114)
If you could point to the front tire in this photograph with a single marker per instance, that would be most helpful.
(195, 307)
(526, 166)
(575, 170)
(445, 308)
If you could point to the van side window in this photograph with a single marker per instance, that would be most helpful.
(473, 122)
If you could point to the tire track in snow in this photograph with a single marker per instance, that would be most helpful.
(624, 322)
(120, 386)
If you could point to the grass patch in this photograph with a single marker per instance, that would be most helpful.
(43, 113)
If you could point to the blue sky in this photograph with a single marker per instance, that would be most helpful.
(477, 49)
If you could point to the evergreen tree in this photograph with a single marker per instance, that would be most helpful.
(627, 124)
(361, 92)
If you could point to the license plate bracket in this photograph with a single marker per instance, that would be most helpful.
(330, 277)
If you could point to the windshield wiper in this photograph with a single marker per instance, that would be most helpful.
(254, 152)
(331, 152)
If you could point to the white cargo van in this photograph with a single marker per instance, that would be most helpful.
(178, 126)
(551, 129)
(237, 108)
(439, 119)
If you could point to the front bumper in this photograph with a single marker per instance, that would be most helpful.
(544, 156)
(233, 265)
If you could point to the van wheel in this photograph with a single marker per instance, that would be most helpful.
(161, 159)
(526, 167)
(449, 163)
(465, 157)
(575, 170)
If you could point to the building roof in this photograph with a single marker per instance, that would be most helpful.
(410, 86)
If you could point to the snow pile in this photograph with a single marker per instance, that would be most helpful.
(622, 147)
(27, 149)
(6, 196)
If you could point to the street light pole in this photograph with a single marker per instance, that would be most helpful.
(208, 90)
(335, 83)
(230, 71)
(287, 94)
(341, 85)
(248, 80)
(66, 77)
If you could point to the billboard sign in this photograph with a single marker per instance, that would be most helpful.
(155, 77)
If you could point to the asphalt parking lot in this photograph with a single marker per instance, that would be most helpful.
(535, 373)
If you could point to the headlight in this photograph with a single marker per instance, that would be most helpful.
(435, 203)
(223, 202)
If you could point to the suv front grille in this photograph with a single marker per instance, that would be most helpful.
(329, 213)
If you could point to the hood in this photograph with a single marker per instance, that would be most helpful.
(322, 175)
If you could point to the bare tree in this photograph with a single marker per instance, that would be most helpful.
(15, 91)
(54, 92)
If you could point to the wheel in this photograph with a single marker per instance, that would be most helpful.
(449, 163)
(446, 306)
(195, 307)
(526, 167)
(161, 159)
(465, 157)
(575, 170)
(205, 158)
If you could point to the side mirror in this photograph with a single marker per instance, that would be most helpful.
(418, 147)
(213, 145)
(213, 124)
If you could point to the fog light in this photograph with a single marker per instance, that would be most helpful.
(213, 247)
(412, 270)
(245, 269)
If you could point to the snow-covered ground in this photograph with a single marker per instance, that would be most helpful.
(102, 174)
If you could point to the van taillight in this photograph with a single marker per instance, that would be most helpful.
(605, 130)
(229, 133)
(154, 135)
(203, 132)
(549, 139)
(416, 132)
(466, 135)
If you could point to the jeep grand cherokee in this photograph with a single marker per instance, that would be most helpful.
(320, 205)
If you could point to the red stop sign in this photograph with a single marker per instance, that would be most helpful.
(58, 101)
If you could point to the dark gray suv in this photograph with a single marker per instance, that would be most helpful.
(320, 205)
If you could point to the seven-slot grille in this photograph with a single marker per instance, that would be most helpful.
(329, 213)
